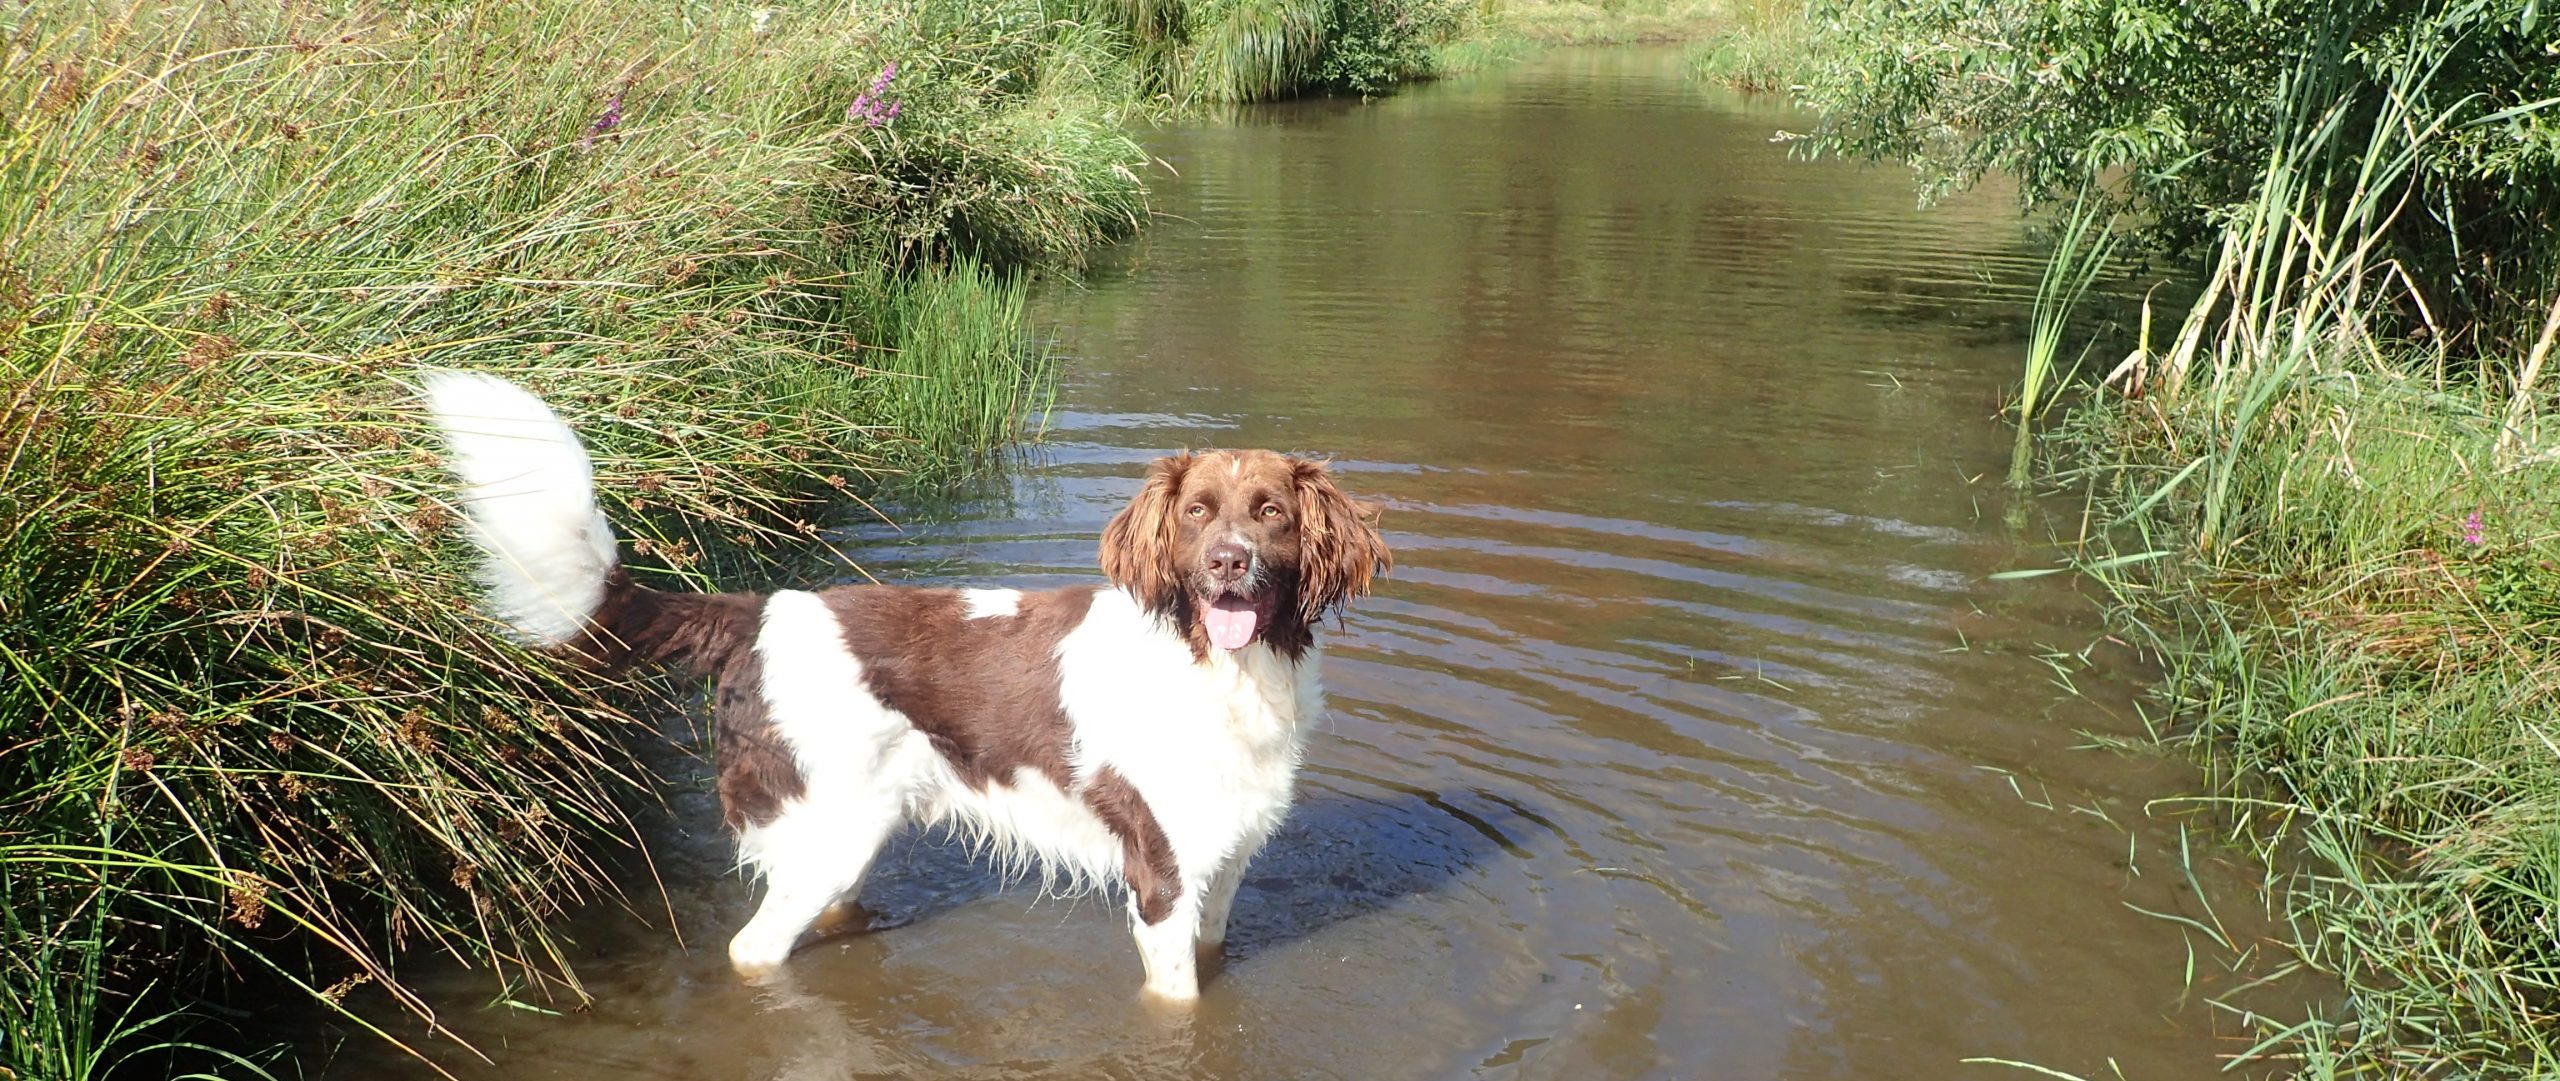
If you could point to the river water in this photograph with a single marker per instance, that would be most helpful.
(1689, 738)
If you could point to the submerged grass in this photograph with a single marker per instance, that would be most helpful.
(249, 720)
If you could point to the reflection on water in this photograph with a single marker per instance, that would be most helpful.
(1682, 743)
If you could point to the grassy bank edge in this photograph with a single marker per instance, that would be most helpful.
(253, 725)
(2337, 542)
(2375, 723)
(1753, 45)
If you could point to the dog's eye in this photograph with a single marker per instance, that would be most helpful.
(1198, 510)
(1271, 510)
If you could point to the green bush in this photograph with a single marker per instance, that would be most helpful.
(2177, 103)
(1194, 52)
(1375, 44)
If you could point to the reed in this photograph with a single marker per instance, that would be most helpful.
(2082, 249)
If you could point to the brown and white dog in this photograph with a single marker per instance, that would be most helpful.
(1146, 732)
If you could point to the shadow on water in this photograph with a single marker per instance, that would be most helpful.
(1339, 857)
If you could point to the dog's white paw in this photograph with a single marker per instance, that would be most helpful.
(754, 955)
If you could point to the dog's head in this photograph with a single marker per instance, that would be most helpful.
(1240, 546)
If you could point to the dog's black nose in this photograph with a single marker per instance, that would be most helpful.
(1228, 562)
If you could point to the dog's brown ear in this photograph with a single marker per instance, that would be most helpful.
(1338, 543)
(1137, 547)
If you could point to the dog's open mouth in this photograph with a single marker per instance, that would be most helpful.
(1232, 621)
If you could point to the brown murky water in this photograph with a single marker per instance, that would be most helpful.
(1689, 740)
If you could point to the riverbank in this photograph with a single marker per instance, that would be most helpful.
(2358, 642)
(2319, 499)
(1607, 22)
(2338, 545)
(760, 257)
(1747, 44)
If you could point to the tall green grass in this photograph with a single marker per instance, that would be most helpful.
(250, 721)
(959, 355)
(2362, 640)
(1757, 45)
(2295, 293)
(2082, 248)
(1253, 50)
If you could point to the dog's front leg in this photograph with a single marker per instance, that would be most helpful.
(1166, 946)
(1214, 906)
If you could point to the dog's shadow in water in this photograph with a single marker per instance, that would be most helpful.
(1351, 846)
(1336, 858)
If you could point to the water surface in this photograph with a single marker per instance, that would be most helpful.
(1689, 738)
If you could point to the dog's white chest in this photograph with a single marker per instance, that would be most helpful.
(1214, 747)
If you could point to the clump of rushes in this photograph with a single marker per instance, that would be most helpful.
(246, 708)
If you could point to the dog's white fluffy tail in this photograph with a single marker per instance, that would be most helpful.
(529, 498)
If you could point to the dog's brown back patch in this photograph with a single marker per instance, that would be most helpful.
(983, 690)
(698, 632)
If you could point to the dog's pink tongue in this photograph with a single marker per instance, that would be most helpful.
(1231, 622)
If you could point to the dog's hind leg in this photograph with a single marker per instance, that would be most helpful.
(812, 860)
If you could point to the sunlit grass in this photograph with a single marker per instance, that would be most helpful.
(1609, 22)
(2361, 639)
(1757, 45)
(1253, 50)
(960, 355)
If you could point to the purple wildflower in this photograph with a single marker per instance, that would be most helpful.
(2472, 529)
(611, 119)
(873, 106)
